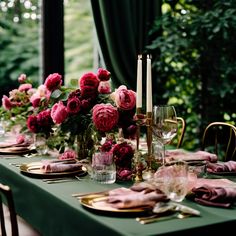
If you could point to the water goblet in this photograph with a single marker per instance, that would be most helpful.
(164, 125)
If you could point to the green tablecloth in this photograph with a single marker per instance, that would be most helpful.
(52, 210)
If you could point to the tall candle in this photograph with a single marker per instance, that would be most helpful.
(139, 83)
(149, 85)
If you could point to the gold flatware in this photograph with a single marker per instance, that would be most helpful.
(155, 218)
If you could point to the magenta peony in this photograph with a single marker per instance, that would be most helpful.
(53, 81)
(105, 117)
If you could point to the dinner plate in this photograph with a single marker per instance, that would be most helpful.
(15, 150)
(33, 169)
(99, 202)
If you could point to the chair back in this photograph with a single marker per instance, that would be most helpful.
(181, 131)
(7, 198)
(220, 138)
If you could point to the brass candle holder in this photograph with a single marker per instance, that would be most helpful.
(139, 173)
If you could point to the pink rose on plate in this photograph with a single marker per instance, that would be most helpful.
(105, 117)
(103, 74)
(89, 85)
(68, 154)
(53, 81)
(59, 112)
(104, 87)
(125, 99)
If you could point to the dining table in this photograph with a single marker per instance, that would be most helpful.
(52, 210)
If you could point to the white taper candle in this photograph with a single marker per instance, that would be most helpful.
(149, 85)
(139, 83)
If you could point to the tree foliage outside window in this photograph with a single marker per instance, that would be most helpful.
(194, 60)
(19, 42)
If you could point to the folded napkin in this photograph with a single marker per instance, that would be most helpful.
(229, 166)
(20, 141)
(123, 198)
(215, 196)
(51, 167)
(180, 154)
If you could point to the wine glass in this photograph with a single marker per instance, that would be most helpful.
(164, 125)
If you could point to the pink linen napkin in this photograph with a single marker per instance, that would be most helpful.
(60, 167)
(180, 154)
(229, 166)
(215, 196)
(122, 198)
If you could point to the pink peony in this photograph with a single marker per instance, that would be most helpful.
(104, 87)
(105, 117)
(103, 74)
(59, 113)
(22, 78)
(125, 99)
(24, 87)
(35, 100)
(89, 85)
(6, 103)
(73, 105)
(53, 81)
(68, 154)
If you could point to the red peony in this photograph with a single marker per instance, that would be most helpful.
(73, 105)
(89, 85)
(53, 81)
(105, 117)
(123, 154)
(32, 124)
(103, 74)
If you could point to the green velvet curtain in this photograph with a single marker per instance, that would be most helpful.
(122, 28)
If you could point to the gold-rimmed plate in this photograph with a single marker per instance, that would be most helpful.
(15, 150)
(34, 169)
(99, 202)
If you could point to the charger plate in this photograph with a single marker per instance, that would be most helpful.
(33, 169)
(99, 203)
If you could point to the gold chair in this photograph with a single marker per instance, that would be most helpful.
(8, 216)
(181, 131)
(220, 138)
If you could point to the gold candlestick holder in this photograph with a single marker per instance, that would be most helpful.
(139, 173)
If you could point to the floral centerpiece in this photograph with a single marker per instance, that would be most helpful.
(80, 117)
